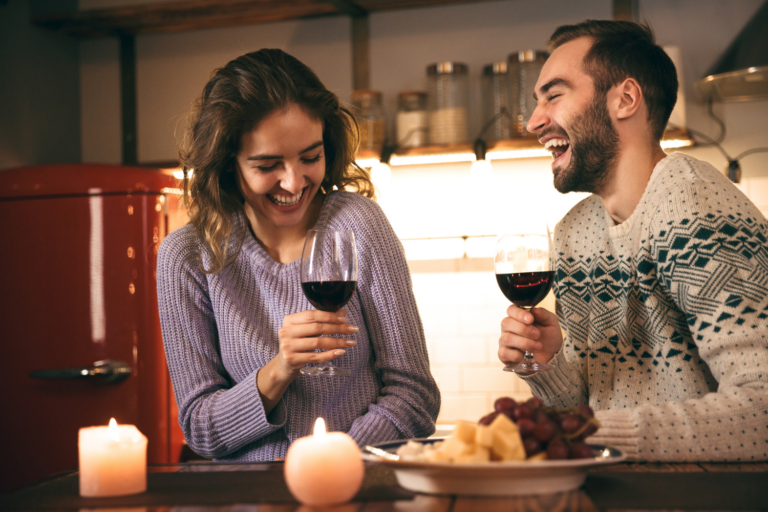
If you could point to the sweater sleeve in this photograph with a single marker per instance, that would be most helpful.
(217, 415)
(709, 254)
(409, 400)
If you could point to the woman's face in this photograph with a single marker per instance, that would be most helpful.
(280, 167)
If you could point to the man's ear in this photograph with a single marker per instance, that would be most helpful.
(626, 98)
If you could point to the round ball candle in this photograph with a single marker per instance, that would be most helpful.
(324, 468)
(113, 460)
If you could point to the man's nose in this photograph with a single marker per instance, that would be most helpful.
(538, 120)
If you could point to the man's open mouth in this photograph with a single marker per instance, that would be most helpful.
(557, 147)
(286, 200)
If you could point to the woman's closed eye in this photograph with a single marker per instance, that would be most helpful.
(312, 159)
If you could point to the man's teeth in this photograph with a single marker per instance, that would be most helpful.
(555, 142)
(285, 200)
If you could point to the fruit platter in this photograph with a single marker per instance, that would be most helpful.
(518, 449)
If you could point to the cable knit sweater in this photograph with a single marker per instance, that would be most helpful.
(665, 319)
(220, 329)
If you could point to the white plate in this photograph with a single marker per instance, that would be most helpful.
(494, 478)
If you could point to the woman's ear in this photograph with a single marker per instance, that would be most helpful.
(626, 98)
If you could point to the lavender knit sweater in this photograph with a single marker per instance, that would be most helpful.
(220, 329)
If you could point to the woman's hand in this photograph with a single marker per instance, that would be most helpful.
(300, 336)
(536, 331)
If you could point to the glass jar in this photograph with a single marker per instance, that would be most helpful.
(448, 93)
(497, 120)
(412, 119)
(370, 118)
(523, 71)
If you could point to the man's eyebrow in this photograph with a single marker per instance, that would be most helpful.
(278, 157)
(552, 83)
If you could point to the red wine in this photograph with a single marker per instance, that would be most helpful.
(526, 289)
(329, 295)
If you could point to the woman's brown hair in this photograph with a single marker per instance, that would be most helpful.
(235, 99)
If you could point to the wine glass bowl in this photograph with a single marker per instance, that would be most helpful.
(328, 278)
(524, 274)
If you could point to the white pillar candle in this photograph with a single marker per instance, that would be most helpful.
(325, 468)
(113, 460)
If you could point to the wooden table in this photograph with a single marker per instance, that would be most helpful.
(217, 487)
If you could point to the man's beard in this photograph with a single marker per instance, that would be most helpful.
(594, 145)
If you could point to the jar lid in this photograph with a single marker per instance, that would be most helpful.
(528, 56)
(360, 94)
(497, 68)
(447, 68)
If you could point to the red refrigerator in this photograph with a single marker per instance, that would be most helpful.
(80, 328)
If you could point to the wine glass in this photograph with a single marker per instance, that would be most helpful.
(328, 278)
(525, 275)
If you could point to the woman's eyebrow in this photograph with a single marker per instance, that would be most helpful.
(278, 157)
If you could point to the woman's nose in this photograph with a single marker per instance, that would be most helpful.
(538, 120)
(292, 180)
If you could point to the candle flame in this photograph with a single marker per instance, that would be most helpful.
(114, 432)
(319, 427)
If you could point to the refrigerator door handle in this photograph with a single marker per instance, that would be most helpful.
(106, 371)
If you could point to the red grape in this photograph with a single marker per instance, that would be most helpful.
(504, 404)
(557, 449)
(535, 402)
(532, 446)
(581, 451)
(570, 423)
(540, 416)
(545, 431)
(590, 429)
(522, 411)
(488, 418)
(526, 427)
(585, 410)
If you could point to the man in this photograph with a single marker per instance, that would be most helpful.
(661, 274)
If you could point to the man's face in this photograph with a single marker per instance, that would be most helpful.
(573, 122)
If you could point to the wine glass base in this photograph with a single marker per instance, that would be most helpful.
(325, 371)
(525, 368)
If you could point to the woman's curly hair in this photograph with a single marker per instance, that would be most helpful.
(234, 101)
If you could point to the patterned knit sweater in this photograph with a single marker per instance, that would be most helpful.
(665, 319)
(220, 329)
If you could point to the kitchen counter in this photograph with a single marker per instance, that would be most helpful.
(218, 487)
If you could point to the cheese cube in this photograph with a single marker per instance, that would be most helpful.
(453, 447)
(484, 436)
(503, 424)
(508, 445)
(480, 454)
(465, 431)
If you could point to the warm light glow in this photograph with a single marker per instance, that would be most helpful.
(676, 143)
(169, 190)
(367, 162)
(179, 174)
(481, 170)
(432, 159)
(381, 175)
(114, 432)
(319, 427)
(517, 153)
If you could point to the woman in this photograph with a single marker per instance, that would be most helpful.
(273, 153)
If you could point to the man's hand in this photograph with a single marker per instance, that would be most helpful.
(536, 331)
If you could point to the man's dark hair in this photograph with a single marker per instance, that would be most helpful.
(621, 50)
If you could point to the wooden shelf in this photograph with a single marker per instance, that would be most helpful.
(203, 14)
(526, 144)
(457, 149)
